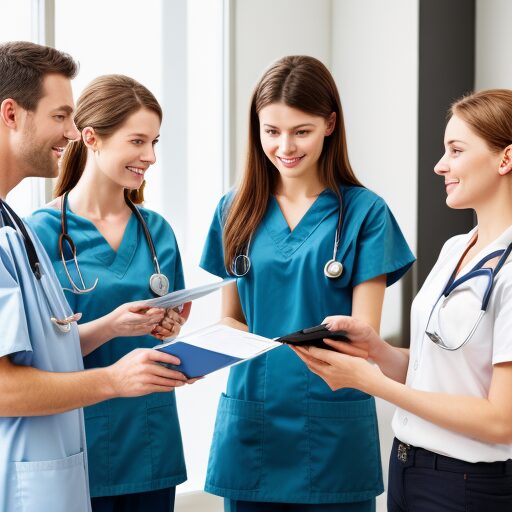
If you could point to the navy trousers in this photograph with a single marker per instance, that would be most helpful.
(161, 500)
(255, 506)
(423, 481)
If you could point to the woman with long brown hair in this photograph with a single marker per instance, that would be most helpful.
(107, 251)
(306, 240)
(453, 389)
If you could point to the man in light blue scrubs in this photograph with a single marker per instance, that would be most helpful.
(43, 464)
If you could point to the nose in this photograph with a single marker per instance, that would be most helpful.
(71, 132)
(286, 144)
(442, 166)
(149, 155)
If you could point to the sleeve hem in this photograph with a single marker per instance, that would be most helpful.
(12, 352)
(395, 273)
(214, 271)
(502, 359)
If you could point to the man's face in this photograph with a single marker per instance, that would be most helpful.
(45, 132)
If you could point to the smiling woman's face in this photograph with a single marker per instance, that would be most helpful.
(292, 139)
(468, 166)
(126, 155)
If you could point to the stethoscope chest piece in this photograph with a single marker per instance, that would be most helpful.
(333, 269)
(159, 284)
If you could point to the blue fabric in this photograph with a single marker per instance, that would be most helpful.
(281, 434)
(134, 444)
(426, 482)
(258, 506)
(150, 501)
(42, 461)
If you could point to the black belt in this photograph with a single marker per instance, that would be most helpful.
(421, 458)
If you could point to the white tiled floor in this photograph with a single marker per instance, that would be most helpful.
(202, 502)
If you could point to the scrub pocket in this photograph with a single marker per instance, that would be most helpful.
(52, 486)
(345, 450)
(236, 453)
(167, 459)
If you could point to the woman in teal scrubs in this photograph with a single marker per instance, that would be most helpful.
(283, 440)
(134, 445)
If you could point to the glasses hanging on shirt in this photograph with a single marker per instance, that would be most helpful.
(458, 311)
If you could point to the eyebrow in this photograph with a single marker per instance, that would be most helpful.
(455, 141)
(293, 128)
(141, 135)
(65, 108)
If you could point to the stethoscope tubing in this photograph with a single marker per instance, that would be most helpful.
(65, 236)
(12, 220)
(244, 256)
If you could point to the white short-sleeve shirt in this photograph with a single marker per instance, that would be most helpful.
(468, 370)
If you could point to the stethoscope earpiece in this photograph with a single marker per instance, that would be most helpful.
(333, 269)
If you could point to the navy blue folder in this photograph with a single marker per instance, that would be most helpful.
(196, 361)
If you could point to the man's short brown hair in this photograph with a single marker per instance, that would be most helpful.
(23, 66)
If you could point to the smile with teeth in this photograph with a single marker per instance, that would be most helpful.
(136, 170)
(58, 149)
(290, 160)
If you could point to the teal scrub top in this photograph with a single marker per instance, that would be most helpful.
(134, 444)
(281, 435)
(43, 464)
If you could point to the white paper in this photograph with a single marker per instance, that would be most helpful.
(178, 298)
(226, 340)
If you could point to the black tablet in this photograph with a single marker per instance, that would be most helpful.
(313, 336)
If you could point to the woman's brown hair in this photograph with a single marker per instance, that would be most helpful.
(303, 83)
(489, 114)
(105, 104)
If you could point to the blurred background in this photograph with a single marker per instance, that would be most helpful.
(398, 65)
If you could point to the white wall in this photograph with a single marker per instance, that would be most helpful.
(493, 69)
(375, 64)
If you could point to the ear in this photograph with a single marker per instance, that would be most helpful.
(331, 124)
(9, 111)
(90, 138)
(506, 161)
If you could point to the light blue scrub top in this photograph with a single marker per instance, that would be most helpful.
(281, 434)
(134, 444)
(43, 465)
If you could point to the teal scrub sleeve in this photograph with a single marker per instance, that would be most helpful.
(13, 323)
(381, 247)
(212, 259)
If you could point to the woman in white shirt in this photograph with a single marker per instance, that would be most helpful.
(453, 388)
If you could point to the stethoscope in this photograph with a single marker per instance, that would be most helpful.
(332, 269)
(12, 220)
(158, 282)
(453, 283)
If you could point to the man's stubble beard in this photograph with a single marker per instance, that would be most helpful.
(36, 156)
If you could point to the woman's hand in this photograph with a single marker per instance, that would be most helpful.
(172, 321)
(339, 370)
(364, 341)
(133, 319)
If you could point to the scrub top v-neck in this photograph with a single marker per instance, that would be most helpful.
(134, 444)
(281, 434)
